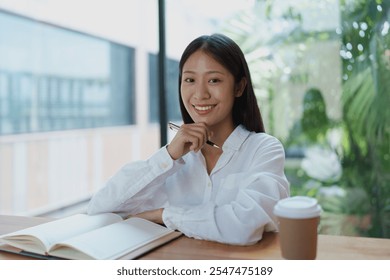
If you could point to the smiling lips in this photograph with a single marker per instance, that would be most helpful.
(203, 108)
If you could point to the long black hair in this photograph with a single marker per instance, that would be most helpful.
(224, 50)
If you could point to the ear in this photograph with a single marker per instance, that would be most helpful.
(240, 86)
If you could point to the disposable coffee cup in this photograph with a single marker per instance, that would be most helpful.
(298, 218)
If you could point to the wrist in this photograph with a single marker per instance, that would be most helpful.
(171, 153)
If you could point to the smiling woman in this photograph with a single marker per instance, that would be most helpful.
(225, 195)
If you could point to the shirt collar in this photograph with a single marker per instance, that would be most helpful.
(236, 138)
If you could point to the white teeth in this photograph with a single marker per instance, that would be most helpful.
(203, 108)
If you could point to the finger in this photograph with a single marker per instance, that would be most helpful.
(199, 130)
(196, 138)
(194, 141)
(183, 142)
(190, 137)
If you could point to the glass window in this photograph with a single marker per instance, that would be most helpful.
(172, 92)
(57, 79)
(67, 114)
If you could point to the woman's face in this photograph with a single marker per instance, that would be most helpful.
(208, 91)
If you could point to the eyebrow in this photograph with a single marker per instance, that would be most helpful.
(208, 72)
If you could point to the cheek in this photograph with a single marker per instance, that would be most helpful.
(227, 96)
(184, 98)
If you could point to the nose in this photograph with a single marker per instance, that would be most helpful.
(201, 91)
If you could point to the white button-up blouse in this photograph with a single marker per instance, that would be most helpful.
(232, 205)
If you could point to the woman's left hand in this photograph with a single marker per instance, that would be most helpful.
(154, 216)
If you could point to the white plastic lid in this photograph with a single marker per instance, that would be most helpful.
(297, 207)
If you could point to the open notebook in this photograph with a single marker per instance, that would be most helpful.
(102, 236)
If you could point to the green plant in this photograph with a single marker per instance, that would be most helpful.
(366, 98)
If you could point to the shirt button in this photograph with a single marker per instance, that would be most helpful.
(164, 165)
(209, 184)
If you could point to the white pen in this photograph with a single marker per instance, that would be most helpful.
(176, 127)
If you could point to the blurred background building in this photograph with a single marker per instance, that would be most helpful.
(79, 96)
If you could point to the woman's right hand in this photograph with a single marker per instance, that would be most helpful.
(190, 137)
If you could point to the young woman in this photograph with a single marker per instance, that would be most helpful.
(221, 194)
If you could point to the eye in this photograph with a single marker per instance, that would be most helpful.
(188, 80)
(214, 81)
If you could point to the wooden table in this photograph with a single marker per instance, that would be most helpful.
(184, 248)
